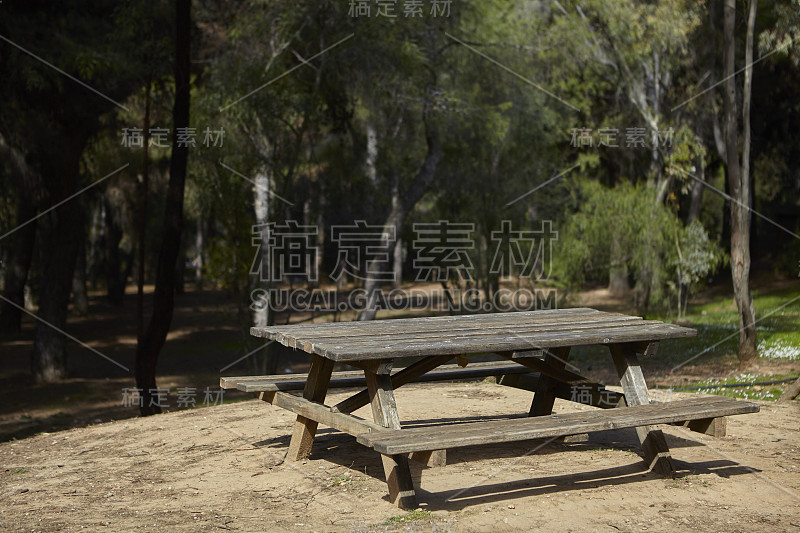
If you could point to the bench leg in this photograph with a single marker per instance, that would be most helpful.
(654, 445)
(545, 395)
(403, 377)
(716, 427)
(384, 412)
(319, 376)
(398, 479)
(431, 458)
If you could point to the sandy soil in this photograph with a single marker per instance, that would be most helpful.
(220, 468)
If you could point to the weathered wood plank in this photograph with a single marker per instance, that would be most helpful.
(356, 379)
(498, 342)
(545, 395)
(364, 341)
(476, 433)
(441, 322)
(232, 382)
(716, 427)
(431, 458)
(381, 395)
(654, 444)
(409, 374)
(315, 389)
(395, 466)
(478, 333)
(393, 331)
(558, 374)
(288, 335)
(346, 423)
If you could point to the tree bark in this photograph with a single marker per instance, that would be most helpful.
(60, 237)
(739, 181)
(21, 243)
(198, 246)
(145, 190)
(618, 272)
(696, 200)
(150, 345)
(397, 216)
(791, 393)
(19, 256)
(115, 280)
(80, 300)
(397, 258)
(264, 317)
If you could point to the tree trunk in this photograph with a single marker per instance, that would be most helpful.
(60, 236)
(80, 300)
(180, 271)
(398, 215)
(19, 256)
(397, 259)
(264, 317)
(115, 281)
(618, 272)
(145, 189)
(96, 230)
(696, 200)
(198, 246)
(791, 393)
(150, 345)
(739, 182)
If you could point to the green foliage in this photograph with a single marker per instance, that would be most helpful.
(784, 37)
(417, 515)
(698, 257)
(626, 226)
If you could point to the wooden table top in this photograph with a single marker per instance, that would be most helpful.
(466, 334)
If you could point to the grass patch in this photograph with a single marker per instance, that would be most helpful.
(687, 481)
(341, 481)
(750, 391)
(20, 471)
(412, 516)
(717, 325)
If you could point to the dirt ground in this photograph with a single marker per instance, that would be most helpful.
(220, 468)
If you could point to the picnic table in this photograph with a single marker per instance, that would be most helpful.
(533, 346)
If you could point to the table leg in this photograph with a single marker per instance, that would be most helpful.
(633, 384)
(384, 411)
(319, 377)
(403, 377)
(545, 395)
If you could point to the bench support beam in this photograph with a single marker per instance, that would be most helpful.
(716, 427)
(384, 411)
(545, 395)
(654, 444)
(315, 390)
(346, 423)
(403, 377)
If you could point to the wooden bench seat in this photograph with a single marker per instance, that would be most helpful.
(355, 378)
(392, 442)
